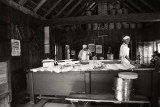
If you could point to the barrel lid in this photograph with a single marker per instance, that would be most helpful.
(128, 75)
(47, 60)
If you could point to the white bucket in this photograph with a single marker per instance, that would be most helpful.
(110, 56)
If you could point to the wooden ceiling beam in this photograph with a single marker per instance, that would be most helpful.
(80, 9)
(126, 5)
(70, 11)
(93, 7)
(22, 2)
(64, 7)
(50, 10)
(148, 5)
(17, 6)
(143, 17)
(89, 7)
(135, 5)
(39, 5)
(86, 8)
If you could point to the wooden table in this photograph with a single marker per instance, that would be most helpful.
(74, 98)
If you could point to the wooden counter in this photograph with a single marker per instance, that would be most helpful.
(62, 84)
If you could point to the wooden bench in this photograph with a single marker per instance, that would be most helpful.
(74, 98)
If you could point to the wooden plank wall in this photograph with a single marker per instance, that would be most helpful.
(32, 47)
(114, 39)
(152, 32)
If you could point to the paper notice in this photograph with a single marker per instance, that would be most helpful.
(98, 48)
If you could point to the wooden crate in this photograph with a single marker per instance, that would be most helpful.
(4, 102)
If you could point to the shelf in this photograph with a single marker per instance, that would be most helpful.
(76, 97)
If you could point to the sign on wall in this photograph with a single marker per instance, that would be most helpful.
(91, 47)
(99, 49)
(16, 47)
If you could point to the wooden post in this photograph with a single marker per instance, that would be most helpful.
(87, 75)
(154, 90)
(30, 87)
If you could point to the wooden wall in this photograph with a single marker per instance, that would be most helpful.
(152, 32)
(32, 47)
(114, 39)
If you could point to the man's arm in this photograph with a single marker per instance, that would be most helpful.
(80, 55)
(131, 62)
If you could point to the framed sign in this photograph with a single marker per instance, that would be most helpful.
(99, 49)
(91, 47)
(16, 47)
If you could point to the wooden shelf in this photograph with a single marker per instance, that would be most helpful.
(76, 97)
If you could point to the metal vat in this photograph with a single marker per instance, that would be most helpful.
(123, 95)
(123, 89)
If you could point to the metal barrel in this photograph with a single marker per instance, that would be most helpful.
(123, 89)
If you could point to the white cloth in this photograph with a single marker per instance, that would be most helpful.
(124, 51)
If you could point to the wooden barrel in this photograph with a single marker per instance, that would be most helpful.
(118, 25)
(111, 26)
(139, 25)
(112, 12)
(125, 25)
(88, 13)
(110, 6)
(95, 26)
(124, 11)
(117, 6)
(132, 25)
(89, 26)
(106, 26)
(118, 11)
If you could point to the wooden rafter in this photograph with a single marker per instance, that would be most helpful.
(81, 8)
(70, 11)
(148, 5)
(49, 11)
(86, 7)
(89, 7)
(21, 8)
(135, 5)
(141, 17)
(64, 7)
(22, 2)
(123, 3)
(39, 5)
(93, 7)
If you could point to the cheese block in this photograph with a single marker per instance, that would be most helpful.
(128, 75)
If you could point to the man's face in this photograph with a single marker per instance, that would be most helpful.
(127, 41)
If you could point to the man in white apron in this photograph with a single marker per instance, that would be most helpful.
(124, 51)
(84, 53)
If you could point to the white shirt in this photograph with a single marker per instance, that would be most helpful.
(84, 55)
(124, 51)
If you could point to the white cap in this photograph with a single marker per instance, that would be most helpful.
(126, 37)
(84, 46)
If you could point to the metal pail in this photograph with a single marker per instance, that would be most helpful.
(123, 84)
(125, 95)
(123, 89)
